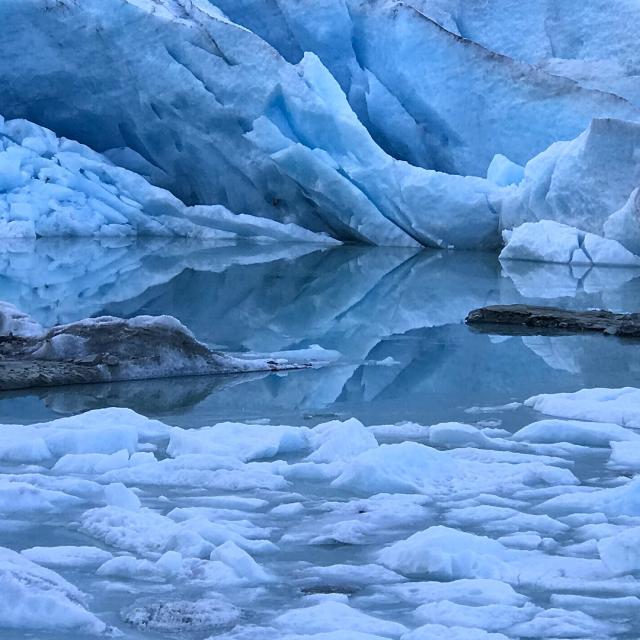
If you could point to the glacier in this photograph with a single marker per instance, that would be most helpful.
(374, 122)
(306, 198)
(53, 187)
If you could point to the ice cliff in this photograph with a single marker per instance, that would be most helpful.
(373, 121)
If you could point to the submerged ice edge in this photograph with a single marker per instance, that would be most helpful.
(392, 531)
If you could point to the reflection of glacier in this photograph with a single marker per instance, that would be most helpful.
(61, 281)
(402, 308)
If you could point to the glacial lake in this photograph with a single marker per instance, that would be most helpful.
(397, 318)
(395, 315)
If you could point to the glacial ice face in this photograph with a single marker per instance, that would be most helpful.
(333, 156)
(399, 64)
(582, 182)
(593, 43)
(238, 114)
(194, 92)
(51, 186)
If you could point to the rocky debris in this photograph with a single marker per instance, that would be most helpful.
(171, 617)
(109, 349)
(519, 319)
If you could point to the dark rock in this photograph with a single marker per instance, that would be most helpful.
(522, 319)
(206, 615)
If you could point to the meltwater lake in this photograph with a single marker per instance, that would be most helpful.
(384, 527)
(395, 315)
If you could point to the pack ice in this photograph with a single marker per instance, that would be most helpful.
(247, 531)
(425, 122)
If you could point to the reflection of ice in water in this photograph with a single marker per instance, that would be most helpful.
(370, 304)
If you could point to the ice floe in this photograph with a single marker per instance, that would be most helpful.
(459, 532)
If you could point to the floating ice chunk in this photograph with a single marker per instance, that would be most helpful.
(623, 500)
(362, 521)
(118, 495)
(199, 470)
(410, 467)
(473, 592)
(67, 557)
(288, 510)
(142, 531)
(335, 635)
(589, 434)
(521, 541)
(241, 441)
(504, 520)
(621, 406)
(23, 444)
(337, 440)
(28, 590)
(401, 432)
(127, 567)
(457, 434)
(490, 617)
(181, 616)
(442, 632)
(170, 562)
(445, 553)
(96, 463)
(241, 562)
(103, 431)
(625, 455)
(621, 552)
(25, 498)
(505, 407)
(600, 607)
(351, 577)
(559, 623)
(108, 349)
(448, 553)
(335, 616)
